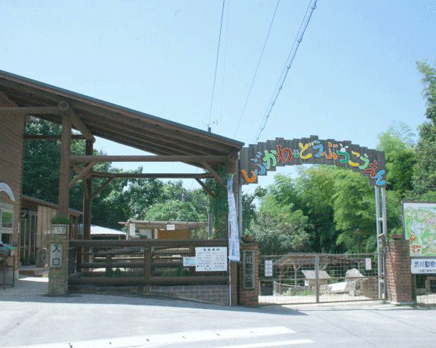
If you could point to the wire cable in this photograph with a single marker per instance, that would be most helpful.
(257, 68)
(216, 62)
(285, 71)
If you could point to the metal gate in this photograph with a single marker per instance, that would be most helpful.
(313, 278)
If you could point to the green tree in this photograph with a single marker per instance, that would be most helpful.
(399, 148)
(41, 161)
(174, 210)
(279, 227)
(424, 175)
(316, 187)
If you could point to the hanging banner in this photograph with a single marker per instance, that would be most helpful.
(234, 253)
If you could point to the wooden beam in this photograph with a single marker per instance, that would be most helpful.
(214, 174)
(108, 181)
(51, 137)
(77, 122)
(82, 174)
(33, 110)
(155, 142)
(161, 126)
(207, 189)
(151, 175)
(87, 199)
(188, 159)
(64, 171)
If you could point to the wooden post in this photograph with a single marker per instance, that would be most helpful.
(148, 259)
(59, 248)
(87, 199)
(64, 173)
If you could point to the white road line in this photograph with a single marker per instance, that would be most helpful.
(173, 338)
(268, 344)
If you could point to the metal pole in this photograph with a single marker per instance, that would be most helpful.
(385, 238)
(317, 278)
(378, 231)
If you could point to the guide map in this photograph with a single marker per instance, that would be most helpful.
(419, 222)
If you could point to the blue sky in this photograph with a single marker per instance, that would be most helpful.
(353, 76)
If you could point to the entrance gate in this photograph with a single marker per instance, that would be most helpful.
(314, 278)
(258, 159)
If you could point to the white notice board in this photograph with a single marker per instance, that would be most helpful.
(211, 259)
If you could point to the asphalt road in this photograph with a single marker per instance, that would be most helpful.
(29, 318)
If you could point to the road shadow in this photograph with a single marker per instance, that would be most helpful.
(34, 289)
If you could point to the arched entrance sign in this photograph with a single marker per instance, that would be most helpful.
(259, 159)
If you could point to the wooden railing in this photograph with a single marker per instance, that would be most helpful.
(139, 262)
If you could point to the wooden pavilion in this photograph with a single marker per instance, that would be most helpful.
(165, 140)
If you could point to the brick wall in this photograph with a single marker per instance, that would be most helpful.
(216, 294)
(249, 297)
(398, 273)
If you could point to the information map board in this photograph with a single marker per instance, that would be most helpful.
(419, 224)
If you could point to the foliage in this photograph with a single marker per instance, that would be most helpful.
(424, 171)
(60, 220)
(174, 210)
(248, 211)
(315, 191)
(41, 162)
(281, 233)
(354, 211)
(279, 227)
(219, 205)
(399, 148)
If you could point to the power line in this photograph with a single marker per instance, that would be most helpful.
(224, 64)
(216, 62)
(285, 71)
(257, 68)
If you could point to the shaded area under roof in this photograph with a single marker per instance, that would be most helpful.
(119, 124)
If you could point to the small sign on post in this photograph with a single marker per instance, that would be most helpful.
(59, 229)
(268, 268)
(56, 255)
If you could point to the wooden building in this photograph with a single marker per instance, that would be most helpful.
(161, 140)
(175, 230)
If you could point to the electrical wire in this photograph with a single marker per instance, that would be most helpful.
(285, 71)
(216, 62)
(257, 68)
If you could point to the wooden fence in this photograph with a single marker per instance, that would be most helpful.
(139, 262)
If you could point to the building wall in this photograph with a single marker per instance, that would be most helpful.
(11, 161)
(178, 235)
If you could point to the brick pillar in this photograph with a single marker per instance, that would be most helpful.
(248, 275)
(398, 273)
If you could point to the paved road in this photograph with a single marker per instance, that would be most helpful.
(30, 318)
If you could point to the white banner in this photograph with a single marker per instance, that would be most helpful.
(234, 253)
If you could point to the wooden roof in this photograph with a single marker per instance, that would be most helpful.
(119, 124)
